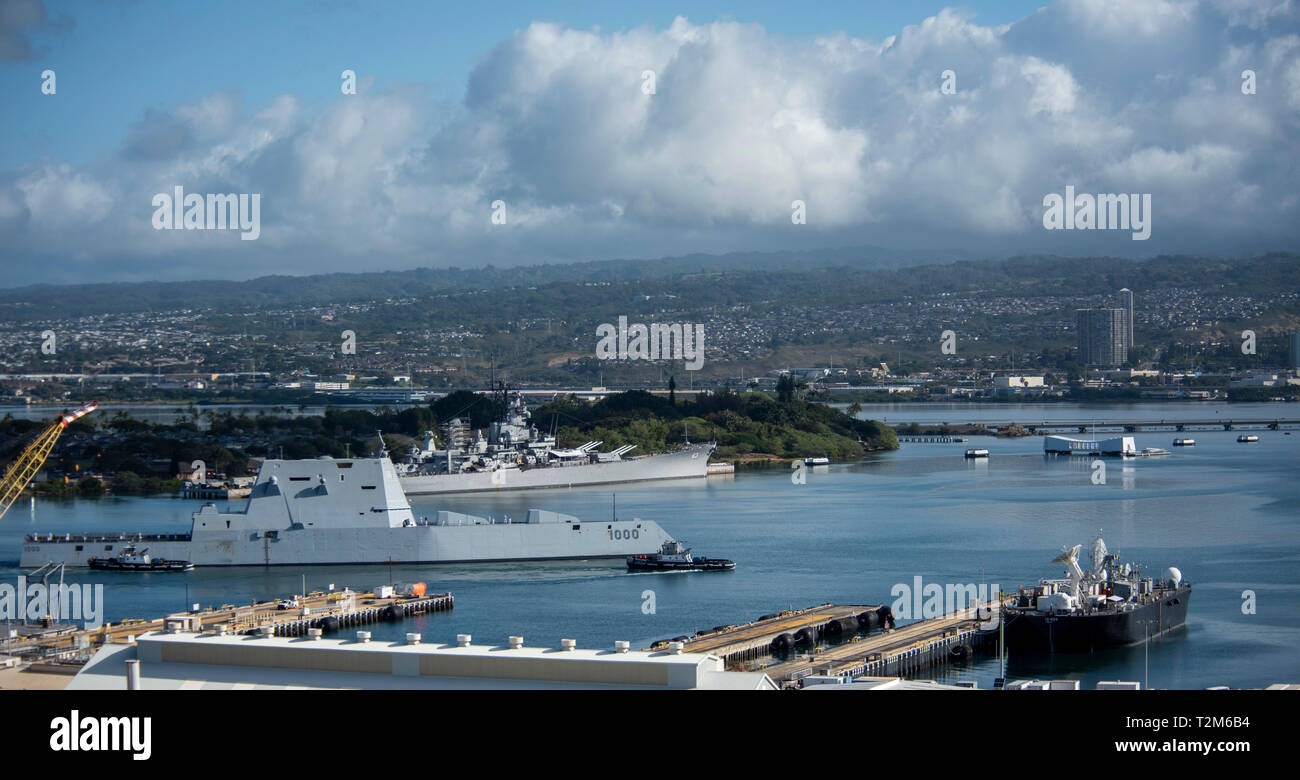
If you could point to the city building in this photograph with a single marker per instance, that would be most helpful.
(1103, 336)
(1295, 350)
(1126, 303)
(1259, 377)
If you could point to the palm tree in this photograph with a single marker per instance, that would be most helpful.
(785, 389)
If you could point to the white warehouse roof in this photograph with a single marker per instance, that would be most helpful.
(211, 661)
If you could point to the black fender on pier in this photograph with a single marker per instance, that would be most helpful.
(782, 643)
(840, 628)
(886, 616)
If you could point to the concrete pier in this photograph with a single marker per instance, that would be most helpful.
(328, 612)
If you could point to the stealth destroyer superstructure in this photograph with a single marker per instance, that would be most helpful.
(331, 511)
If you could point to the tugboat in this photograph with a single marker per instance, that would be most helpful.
(1112, 605)
(675, 556)
(130, 560)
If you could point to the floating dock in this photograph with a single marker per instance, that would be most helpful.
(891, 653)
(868, 643)
(782, 632)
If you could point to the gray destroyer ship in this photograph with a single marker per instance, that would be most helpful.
(515, 455)
(351, 511)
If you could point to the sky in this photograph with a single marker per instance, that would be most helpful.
(770, 125)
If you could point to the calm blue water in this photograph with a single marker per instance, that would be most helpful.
(1226, 514)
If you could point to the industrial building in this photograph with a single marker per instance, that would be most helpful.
(1017, 382)
(184, 660)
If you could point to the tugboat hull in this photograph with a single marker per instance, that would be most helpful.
(109, 564)
(637, 563)
(1040, 632)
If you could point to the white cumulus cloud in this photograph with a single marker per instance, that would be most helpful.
(1138, 96)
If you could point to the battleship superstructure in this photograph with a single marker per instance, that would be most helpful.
(1111, 605)
(515, 455)
(329, 511)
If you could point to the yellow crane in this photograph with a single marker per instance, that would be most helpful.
(21, 471)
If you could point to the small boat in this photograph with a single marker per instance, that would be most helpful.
(1148, 452)
(977, 452)
(1184, 442)
(130, 560)
(1245, 438)
(675, 556)
(816, 461)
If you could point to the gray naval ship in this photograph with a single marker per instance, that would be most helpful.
(515, 455)
(351, 511)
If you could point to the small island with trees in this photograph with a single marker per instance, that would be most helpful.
(748, 427)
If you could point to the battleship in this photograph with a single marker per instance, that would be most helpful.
(515, 455)
(1112, 605)
(349, 511)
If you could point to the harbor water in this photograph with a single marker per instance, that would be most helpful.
(1226, 514)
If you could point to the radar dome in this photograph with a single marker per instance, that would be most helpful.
(1174, 576)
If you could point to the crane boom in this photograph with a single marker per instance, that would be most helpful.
(20, 472)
